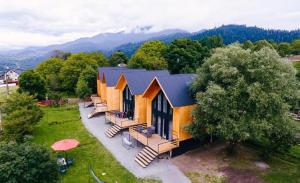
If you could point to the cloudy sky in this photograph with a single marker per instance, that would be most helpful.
(43, 22)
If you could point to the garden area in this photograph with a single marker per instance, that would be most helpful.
(64, 122)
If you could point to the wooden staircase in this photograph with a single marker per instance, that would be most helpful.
(89, 104)
(92, 114)
(145, 157)
(112, 131)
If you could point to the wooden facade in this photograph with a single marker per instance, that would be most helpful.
(181, 116)
(140, 103)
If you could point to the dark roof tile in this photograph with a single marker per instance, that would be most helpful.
(176, 88)
(139, 81)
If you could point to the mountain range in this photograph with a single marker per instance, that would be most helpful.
(129, 42)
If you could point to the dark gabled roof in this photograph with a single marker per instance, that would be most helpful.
(176, 88)
(139, 81)
(101, 69)
(112, 75)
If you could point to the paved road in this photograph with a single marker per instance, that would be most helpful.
(163, 170)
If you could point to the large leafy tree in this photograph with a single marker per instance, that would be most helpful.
(72, 68)
(296, 47)
(31, 82)
(149, 56)
(90, 77)
(20, 116)
(245, 95)
(117, 58)
(185, 55)
(82, 89)
(212, 42)
(99, 57)
(248, 45)
(261, 44)
(284, 49)
(49, 70)
(26, 163)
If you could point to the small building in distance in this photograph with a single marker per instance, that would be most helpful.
(11, 76)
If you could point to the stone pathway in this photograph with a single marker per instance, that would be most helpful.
(164, 170)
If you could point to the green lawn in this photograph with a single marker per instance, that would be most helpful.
(61, 123)
(284, 168)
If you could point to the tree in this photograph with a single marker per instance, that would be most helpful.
(297, 67)
(72, 68)
(248, 45)
(261, 44)
(90, 76)
(49, 70)
(284, 49)
(21, 114)
(60, 54)
(296, 47)
(185, 55)
(117, 58)
(31, 82)
(82, 89)
(149, 56)
(212, 42)
(28, 163)
(245, 95)
(99, 57)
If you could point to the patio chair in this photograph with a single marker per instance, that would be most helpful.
(139, 128)
(62, 169)
(70, 161)
(126, 142)
(150, 131)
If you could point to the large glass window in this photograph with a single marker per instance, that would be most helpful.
(162, 116)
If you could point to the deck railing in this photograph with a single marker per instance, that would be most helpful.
(170, 144)
(137, 135)
(161, 147)
(111, 116)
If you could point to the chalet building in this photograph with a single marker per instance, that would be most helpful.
(169, 109)
(154, 105)
(132, 105)
(108, 95)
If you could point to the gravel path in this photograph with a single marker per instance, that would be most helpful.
(164, 170)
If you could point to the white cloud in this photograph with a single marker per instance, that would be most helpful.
(43, 22)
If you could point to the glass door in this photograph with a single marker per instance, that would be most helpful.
(128, 102)
(162, 115)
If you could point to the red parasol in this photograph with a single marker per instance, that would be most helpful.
(65, 145)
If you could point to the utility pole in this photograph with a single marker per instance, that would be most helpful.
(6, 80)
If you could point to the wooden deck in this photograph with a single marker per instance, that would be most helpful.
(155, 142)
(96, 100)
(122, 122)
(100, 108)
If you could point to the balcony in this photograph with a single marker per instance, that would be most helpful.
(155, 141)
(121, 122)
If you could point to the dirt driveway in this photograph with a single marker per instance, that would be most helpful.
(211, 164)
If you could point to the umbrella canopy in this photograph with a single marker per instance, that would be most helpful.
(65, 145)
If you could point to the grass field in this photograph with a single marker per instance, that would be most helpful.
(62, 123)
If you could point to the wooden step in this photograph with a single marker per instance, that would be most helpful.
(142, 157)
(109, 134)
(150, 155)
(145, 156)
(148, 149)
(112, 131)
(140, 163)
(142, 160)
